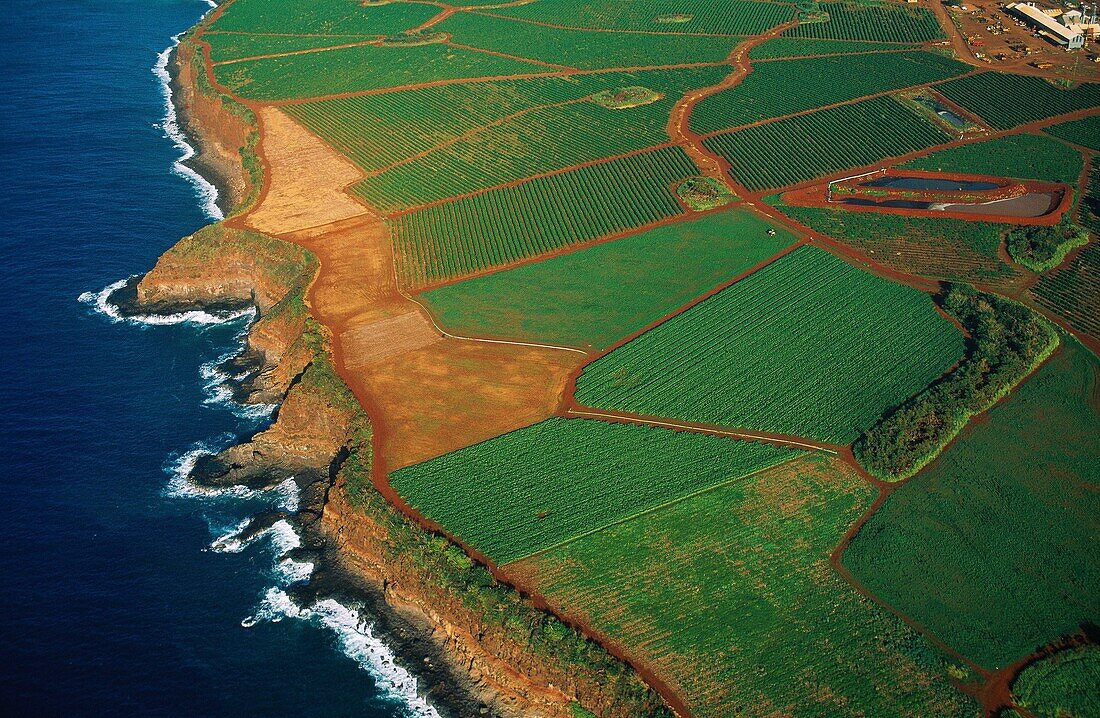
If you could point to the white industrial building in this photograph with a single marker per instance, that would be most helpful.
(1072, 37)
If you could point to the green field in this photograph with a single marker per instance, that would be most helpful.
(1063, 685)
(583, 131)
(721, 17)
(938, 247)
(376, 131)
(883, 22)
(320, 17)
(1005, 101)
(1003, 525)
(796, 149)
(1071, 292)
(234, 46)
(595, 296)
(542, 215)
(1085, 133)
(584, 49)
(766, 91)
(562, 478)
(808, 345)
(1021, 156)
(730, 596)
(356, 69)
(789, 47)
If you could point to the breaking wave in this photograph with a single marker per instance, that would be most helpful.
(101, 302)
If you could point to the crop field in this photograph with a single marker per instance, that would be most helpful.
(1071, 292)
(766, 91)
(538, 216)
(796, 149)
(721, 17)
(597, 295)
(226, 46)
(566, 135)
(730, 596)
(938, 247)
(1003, 525)
(1020, 156)
(1062, 685)
(872, 22)
(1085, 133)
(808, 345)
(584, 49)
(789, 47)
(320, 17)
(367, 67)
(1005, 101)
(376, 131)
(562, 478)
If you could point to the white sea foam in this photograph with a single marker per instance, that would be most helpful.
(216, 386)
(356, 640)
(283, 538)
(206, 192)
(291, 571)
(285, 496)
(100, 302)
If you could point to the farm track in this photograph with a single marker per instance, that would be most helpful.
(338, 269)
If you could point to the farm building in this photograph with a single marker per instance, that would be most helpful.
(1072, 39)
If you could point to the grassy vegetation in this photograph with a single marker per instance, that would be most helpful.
(787, 47)
(539, 216)
(581, 48)
(1008, 341)
(1085, 133)
(567, 135)
(447, 569)
(939, 247)
(1063, 685)
(597, 295)
(235, 46)
(766, 91)
(730, 596)
(704, 193)
(797, 149)
(725, 17)
(1021, 156)
(320, 17)
(1003, 526)
(562, 478)
(1071, 292)
(1005, 101)
(808, 345)
(376, 131)
(1043, 248)
(367, 67)
(882, 22)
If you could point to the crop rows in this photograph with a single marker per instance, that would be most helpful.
(728, 594)
(1071, 292)
(803, 47)
(881, 23)
(233, 46)
(939, 247)
(724, 17)
(766, 92)
(1085, 133)
(1005, 101)
(808, 345)
(376, 131)
(797, 149)
(525, 491)
(367, 67)
(538, 216)
(565, 135)
(321, 17)
(583, 48)
(1024, 156)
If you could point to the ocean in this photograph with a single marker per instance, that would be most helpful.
(125, 591)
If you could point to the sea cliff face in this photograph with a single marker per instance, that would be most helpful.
(497, 652)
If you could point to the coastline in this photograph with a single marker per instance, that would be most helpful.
(459, 663)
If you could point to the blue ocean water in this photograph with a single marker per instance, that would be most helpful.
(113, 601)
